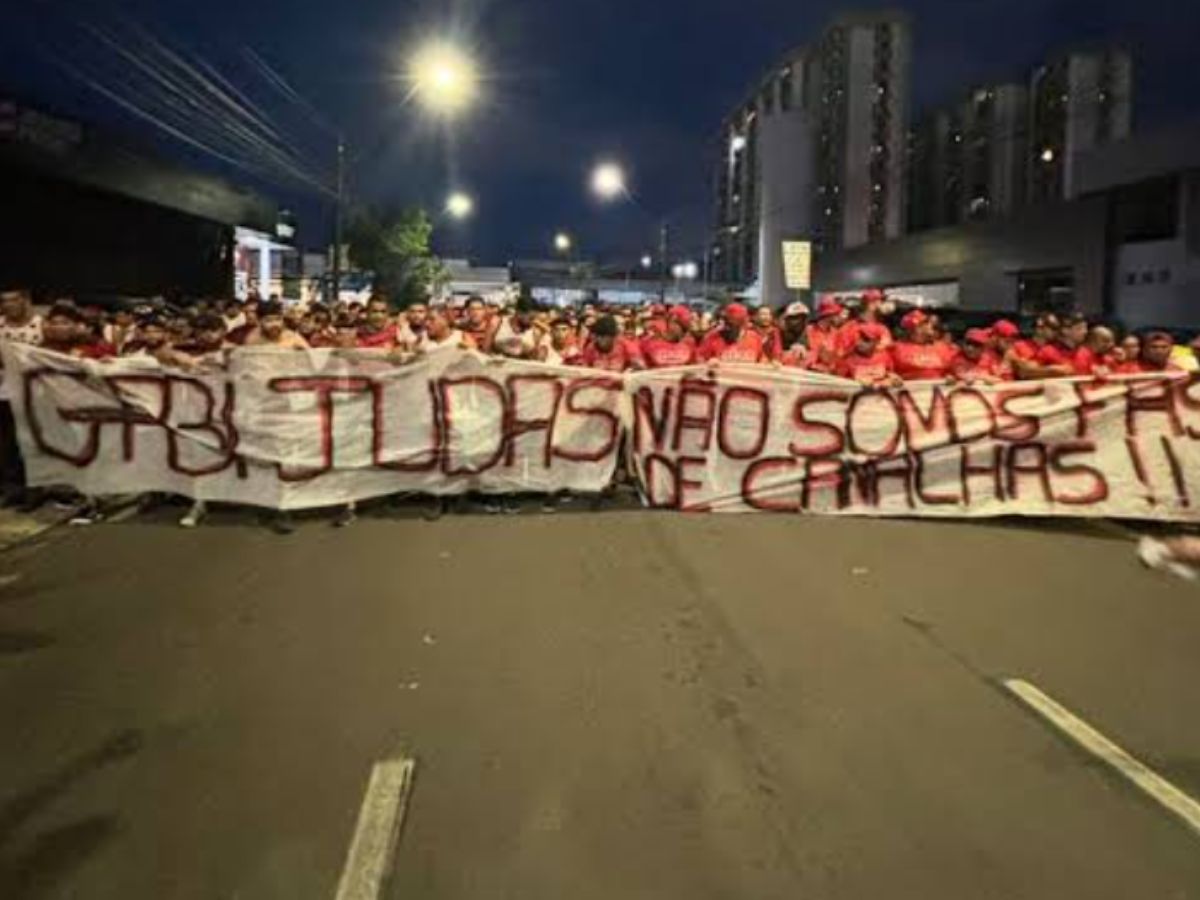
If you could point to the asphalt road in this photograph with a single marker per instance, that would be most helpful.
(613, 705)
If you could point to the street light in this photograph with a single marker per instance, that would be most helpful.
(608, 181)
(647, 261)
(685, 271)
(562, 242)
(459, 205)
(444, 78)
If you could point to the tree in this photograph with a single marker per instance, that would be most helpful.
(394, 245)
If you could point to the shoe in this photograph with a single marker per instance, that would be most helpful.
(1157, 555)
(492, 506)
(433, 509)
(283, 523)
(194, 516)
(88, 515)
(550, 504)
(347, 517)
(509, 506)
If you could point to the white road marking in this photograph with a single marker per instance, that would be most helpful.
(369, 862)
(1143, 777)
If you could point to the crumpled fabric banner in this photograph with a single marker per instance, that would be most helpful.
(299, 429)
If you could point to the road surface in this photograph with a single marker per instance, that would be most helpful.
(601, 705)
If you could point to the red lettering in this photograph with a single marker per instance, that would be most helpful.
(925, 429)
(686, 420)
(750, 492)
(1040, 467)
(760, 416)
(1097, 490)
(835, 441)
(515, 426)
(1016, 427)
(324, 387)
(894, 430)
(612, 425)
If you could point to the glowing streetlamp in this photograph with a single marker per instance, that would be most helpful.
(608, 181)
(562, 242)
(459, 205)
(647, 261)
(444, 78)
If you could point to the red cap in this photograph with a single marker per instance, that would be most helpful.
(828, 307)
(656, 326)
(978, 336)
(872, 295)
(872, 331)
(680, 314)
(913, 320)
(736, 314)
(1005, 329)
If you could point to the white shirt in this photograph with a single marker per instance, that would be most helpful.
(29, 333)
(451, 341)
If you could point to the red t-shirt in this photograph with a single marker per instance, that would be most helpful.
(987, 366)
(870, 369)
(385, 338)
(923, 362)
(623, 355)
(1139, 367)
(849, 336)
(95, 350)
(748, 348)
(1055, 354)
(835, 342)
(1086, 362)
(772, 342)
(1024, 349)
(660, 353)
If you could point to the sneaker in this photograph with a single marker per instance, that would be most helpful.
(550, 504)
(492, 506)
(1157, 555)
(87, 515)
(433, 509)
(194, 516)
(283, 523)
(509, 506)
(347, 517)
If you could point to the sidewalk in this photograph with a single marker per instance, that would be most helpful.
(18, 527)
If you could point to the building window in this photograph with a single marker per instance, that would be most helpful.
(1131, 278)
(1147, 277)
(1164, 276)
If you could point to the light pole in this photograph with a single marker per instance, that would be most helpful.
(338, 212)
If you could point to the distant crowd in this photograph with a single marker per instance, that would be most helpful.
(867, 341)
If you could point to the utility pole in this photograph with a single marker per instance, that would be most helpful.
(339, 202)
(663, 244)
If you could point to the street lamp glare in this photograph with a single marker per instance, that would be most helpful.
(444, 78)
(647, 261)
(459, 205)
(608, 181)
(562, 242)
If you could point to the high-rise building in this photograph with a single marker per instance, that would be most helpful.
(1005, 146)
(816, 152)
(1078, 101)
(968, 162)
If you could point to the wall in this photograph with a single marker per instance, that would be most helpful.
(1165, 288)
(785, 146)
(986, 257)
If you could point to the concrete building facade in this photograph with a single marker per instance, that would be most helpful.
(816, 152)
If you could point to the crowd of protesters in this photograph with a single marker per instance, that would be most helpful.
(869, 341)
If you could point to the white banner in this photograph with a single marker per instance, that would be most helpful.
(758, 439)
(296, 429)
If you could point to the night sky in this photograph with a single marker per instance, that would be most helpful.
(568, 82)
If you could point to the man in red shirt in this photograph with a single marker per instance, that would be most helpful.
(63, 332)
(920, 357)
(1098, 354)
(827, 338)
(378, 331)
(608, 350)
(764, 325)
(793, 336)
(675, 346)
(977, 363)
(868, 363)
(734, 342)
(1156, 354)
(1045, 330)
(1060, 357)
